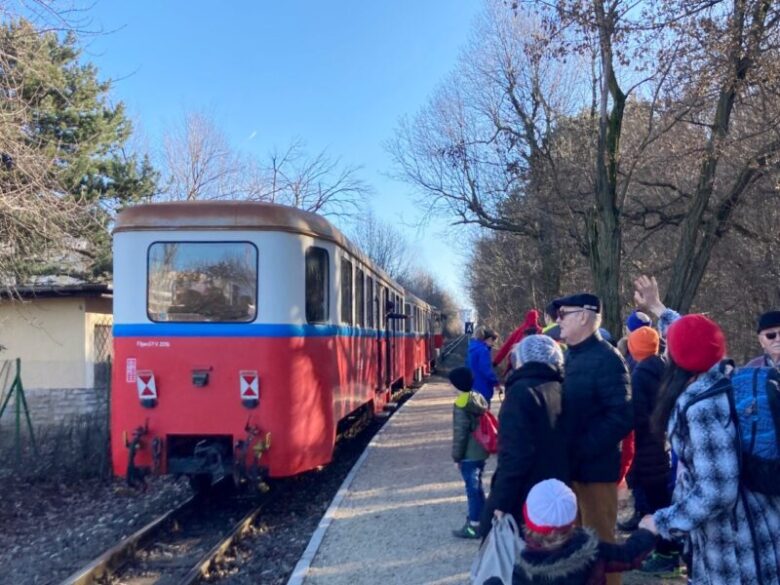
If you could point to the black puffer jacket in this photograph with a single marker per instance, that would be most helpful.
(532, 443)
(597, 409)
(651, 461)
(583, 560)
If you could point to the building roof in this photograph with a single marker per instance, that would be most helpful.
(57, 290)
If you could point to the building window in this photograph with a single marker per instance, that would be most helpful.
(202, 282)
(346, 292)
(360, 300)
(317, 285)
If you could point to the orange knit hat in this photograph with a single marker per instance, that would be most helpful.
(643, 342)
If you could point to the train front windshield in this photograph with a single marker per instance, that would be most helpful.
(202, 282)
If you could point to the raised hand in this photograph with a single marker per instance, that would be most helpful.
(647, 296)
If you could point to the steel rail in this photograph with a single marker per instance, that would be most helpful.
(124, 551)
(450, 347)
(202, 566)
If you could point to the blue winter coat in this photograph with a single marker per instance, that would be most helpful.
(478, 360)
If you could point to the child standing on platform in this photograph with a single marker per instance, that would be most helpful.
(468, 454)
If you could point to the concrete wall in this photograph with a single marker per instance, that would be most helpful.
(49, 335)
(56, 341)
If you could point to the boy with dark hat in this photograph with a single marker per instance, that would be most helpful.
(468, 454)
(769, 338)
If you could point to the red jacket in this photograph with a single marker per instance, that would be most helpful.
(531, 322)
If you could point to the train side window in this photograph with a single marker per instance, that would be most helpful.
(382, 310)
(408, 321)
(360, 300)
(370, 321)
(317, 285)
(346, 292)
(202, 282)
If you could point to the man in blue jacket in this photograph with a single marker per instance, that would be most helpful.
(480, 363)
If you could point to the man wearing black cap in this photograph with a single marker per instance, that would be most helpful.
(597, 412)
(769, 338)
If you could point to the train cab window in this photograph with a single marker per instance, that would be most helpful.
(202, 282)
(317, 285)
(360, 300)
(370, 303)
(346, 292)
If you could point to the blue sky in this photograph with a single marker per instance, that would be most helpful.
(338, 74)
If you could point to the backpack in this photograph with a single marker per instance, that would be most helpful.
(486, 433)
(756, 406)
(754, 400)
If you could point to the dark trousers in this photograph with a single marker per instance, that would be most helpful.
(658, 496)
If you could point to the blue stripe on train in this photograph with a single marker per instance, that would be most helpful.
(241, 330)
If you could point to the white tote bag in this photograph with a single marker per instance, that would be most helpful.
(496, 556)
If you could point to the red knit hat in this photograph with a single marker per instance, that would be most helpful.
(643, 342)
(696, 343)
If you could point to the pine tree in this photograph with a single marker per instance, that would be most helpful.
(63, 163)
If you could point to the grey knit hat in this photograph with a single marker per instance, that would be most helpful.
(537, 348)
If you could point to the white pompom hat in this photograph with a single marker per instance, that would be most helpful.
(550, 506)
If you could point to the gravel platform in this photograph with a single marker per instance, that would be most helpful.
(395, 521)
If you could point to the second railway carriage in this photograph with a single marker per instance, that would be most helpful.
(244, 332)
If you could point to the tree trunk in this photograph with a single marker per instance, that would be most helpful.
(603, 224)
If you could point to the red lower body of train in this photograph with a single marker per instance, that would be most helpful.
(265, 406)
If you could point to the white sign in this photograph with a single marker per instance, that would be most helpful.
(130, 370)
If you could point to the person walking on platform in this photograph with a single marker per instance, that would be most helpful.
(532, 444)
(769, 338)
(557, 552)
(478, 360)
(529, 326)
(597, 412)
(468, 454)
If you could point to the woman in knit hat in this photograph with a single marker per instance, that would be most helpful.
(557, 552)
(733, 532)
(651, 467)
(532, 445)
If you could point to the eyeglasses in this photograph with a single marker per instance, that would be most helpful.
(771, 335)
(562, 314)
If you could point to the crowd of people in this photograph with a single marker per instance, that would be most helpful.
(579, 413)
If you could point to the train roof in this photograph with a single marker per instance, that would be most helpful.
(236, 215)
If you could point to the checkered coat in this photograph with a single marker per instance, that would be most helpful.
(734, 533)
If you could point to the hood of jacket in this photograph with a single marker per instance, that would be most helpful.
(538, 371)
(580, 551)
(472, 402)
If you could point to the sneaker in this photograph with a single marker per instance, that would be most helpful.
(662, 565)
(631, 524)
(468, 531)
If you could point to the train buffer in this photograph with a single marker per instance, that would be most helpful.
(393, 517)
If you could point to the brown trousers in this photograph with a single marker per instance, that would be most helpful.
(598, 505)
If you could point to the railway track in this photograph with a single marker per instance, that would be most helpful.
(178, 547)
(451, 346)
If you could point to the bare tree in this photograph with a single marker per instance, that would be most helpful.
(200, 162)
(384, 244)
(317, 183)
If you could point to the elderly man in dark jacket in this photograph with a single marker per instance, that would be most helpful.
(597, 412)
(532, 443)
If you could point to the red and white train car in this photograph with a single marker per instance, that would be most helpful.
(243, 333)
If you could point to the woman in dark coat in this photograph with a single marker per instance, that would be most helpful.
(531, 439)
(651, 465)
